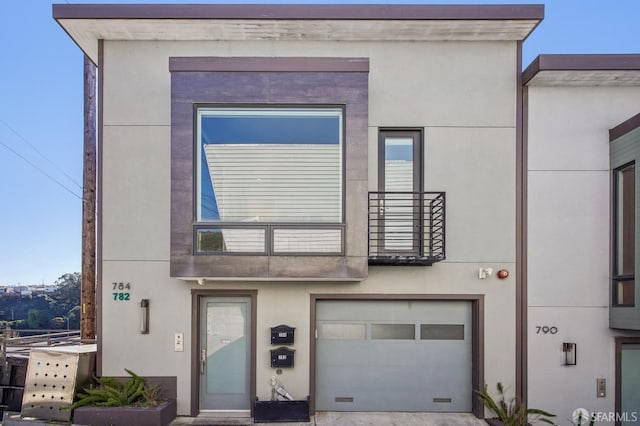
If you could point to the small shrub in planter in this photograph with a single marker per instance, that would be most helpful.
(513, 412)
(112, 402)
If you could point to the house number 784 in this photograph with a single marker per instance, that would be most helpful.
(545, 329)
(120, 291)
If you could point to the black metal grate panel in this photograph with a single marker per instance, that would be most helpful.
(406, 228)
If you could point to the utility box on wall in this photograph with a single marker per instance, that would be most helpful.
(282, 335)
(53, 377)
(282, 357)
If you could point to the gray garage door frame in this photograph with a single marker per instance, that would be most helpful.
(477, 339)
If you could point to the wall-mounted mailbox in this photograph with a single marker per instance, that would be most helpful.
(282, 357)
(282, 335)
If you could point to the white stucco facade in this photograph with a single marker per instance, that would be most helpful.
(469, 153)
(569, 238)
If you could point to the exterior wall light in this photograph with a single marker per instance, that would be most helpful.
(570, 353)
(144, 311)
(502, 274)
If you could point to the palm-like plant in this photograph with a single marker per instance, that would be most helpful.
(512, 412)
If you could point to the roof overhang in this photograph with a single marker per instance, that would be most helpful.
(625, 127)
(583, 70)
(88, 23)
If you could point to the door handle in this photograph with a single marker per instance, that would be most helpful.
(203, 360)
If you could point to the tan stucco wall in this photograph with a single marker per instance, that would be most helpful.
(569, 243)
(462, 93)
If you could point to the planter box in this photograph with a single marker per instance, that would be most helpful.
(160, 415)
(281, 411)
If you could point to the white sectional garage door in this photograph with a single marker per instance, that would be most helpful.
(393, 355)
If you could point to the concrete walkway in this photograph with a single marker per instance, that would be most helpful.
(352, 419)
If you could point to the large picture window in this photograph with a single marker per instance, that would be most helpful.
(269, 165)
(263, 172)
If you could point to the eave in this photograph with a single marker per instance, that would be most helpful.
(88, 23)
(583, 70)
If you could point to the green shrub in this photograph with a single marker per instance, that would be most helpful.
(109, 392)
(513, 412)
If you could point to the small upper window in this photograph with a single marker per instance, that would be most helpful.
(624, 236)
(269, 165)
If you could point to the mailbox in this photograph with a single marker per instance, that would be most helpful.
(282, 335)
(282, 357)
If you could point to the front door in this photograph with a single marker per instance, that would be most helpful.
(225, 348)
(629, 383)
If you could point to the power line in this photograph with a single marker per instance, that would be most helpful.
(40, 170)
(15, 132)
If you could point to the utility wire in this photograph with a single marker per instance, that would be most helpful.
(15, 132)
(40, 170)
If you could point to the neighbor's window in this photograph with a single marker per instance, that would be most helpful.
(265, 176)
(624, 245)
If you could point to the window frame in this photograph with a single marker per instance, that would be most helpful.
(616, 278)
(269, 80)
(268, 227)
(253, 107)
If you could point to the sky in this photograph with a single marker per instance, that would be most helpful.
(41, 116)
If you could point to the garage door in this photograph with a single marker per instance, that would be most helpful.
(400, 355)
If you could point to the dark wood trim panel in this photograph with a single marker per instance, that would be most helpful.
(99, 205)
(346, 89)
(196, 294)
(267, 64)
(298, 11)
(477, 338)
(624, 127)
(584, 62)
(521, 231)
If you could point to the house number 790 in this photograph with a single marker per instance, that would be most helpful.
(545, 329)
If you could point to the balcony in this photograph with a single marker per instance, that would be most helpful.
(406, 228)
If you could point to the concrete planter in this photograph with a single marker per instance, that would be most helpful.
(160, 415)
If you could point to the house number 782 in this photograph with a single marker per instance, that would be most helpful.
(121, 295)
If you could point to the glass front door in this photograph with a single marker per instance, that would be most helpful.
(630, 383)
(225, 347)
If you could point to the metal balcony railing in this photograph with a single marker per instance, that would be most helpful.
(406, 228)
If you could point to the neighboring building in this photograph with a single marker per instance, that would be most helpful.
(261, 165)
(582, 143)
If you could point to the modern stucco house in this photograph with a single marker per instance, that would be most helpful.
(369, 175)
